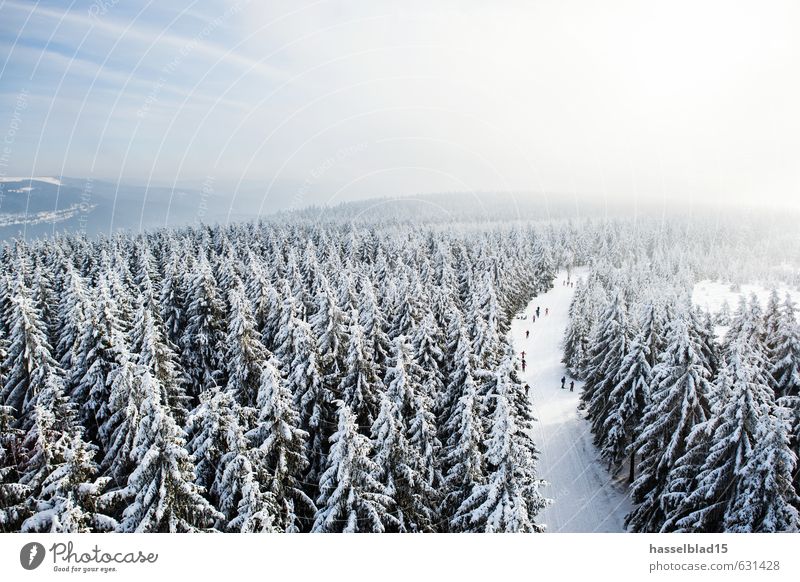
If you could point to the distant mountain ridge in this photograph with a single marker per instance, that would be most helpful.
(44, 205)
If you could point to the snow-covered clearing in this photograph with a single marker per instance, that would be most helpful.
(711, 295)
(585, 496)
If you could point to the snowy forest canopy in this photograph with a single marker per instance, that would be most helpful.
(356, 374)
(702, 409)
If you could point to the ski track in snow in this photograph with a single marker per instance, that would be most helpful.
(585, 496)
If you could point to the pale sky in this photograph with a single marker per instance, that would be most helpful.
(319, 101)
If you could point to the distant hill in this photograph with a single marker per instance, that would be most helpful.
(40, 206)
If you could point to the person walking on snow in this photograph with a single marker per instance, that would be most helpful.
(571, 385)
(563, 381)
(546, 310)
(523, 365)
(537, 311)
(527, 333)
(523, 355)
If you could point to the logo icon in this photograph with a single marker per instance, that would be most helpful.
(31, 555)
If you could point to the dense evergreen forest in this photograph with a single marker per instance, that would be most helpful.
(355, 374)
(702, 410)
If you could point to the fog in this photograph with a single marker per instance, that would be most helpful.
(287, 103)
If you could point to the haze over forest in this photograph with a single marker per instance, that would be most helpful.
(264, 107)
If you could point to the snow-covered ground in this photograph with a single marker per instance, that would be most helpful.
(52, 216)
(711, 295)
(585, 496)
(45, 179)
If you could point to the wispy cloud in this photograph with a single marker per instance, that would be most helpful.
(148, 37)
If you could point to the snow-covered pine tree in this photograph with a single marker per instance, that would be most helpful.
(702, 327)
(44, 300)
(74, 310)
(282, 450)
(373, 322)
(102, 351)
(212, 430)
(253, 510)
(271, 306)
(394, 466)
(748, 320)
(428, 355)
(130, 387)
(508, 498)
(463, 462)
(408, 305)
(155, 352)
(412, 389)
(461, 372)
(244, 352)
(400, 464)
(51, 426)
(226, 467)
(29, 364)
(723, 317)
(361, 385)
(13, 494)
(609, 348)
(544, 272)
(351, 498)
(485, 330)
(683, 477)
(160, 494)
(627, 403)
(790, 409)
(766, 499)
(203, 341)
(173, 298)
(720, 478)
(68, 498)
(312, 393)
(257, 285)
(771, 320)
(328, 324)
(652, 330)
(785, 354)
(576, 336)
(679, 402)
(423, 436)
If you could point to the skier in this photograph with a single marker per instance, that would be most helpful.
(563, 381)
(527, 333)
(572, 385)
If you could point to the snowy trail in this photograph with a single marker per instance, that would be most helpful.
(586, 498)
